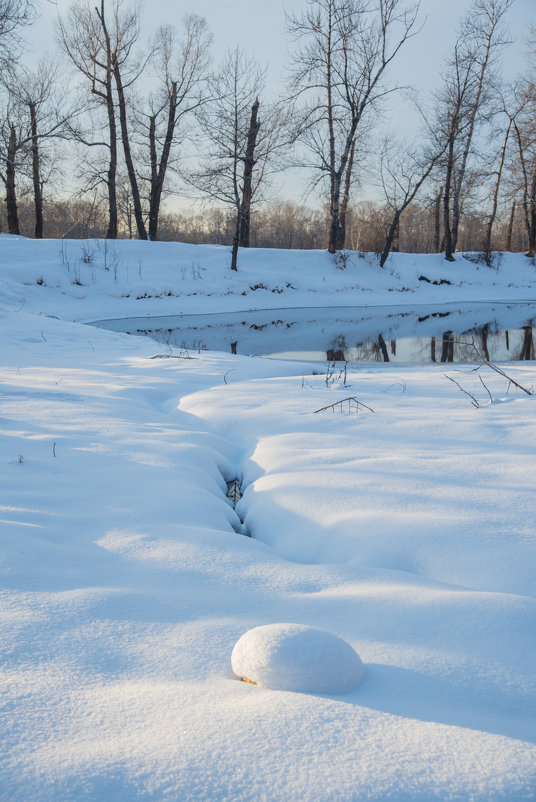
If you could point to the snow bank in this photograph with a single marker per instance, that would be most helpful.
(294, 657)
(92, 280)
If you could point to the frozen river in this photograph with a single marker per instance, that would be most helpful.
(449, 333)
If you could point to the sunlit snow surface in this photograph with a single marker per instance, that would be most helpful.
(408, 532)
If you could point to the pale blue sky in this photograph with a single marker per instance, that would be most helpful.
(259, 27)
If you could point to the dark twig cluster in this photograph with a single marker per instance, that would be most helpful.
(351, 404)
(486, 363)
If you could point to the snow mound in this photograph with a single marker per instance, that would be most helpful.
(294, 657)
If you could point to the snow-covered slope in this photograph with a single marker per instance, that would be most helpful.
(97, 279)
(125, 585)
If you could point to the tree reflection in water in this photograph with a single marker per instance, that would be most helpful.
(527, 348)
(469, 346)
(496, 332)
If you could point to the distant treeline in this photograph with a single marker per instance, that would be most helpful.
(284, 225)
(136, 118)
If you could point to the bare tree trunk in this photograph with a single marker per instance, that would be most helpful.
(335, 229)
(532, 216)
(437, 222)
(485, 350)
(138, 216)
(493, 214)
(526, 191)
(455, 226)
(11, 193)
(447, 349)
(249, 164)
(449, 247)
(527, 348)
(410, 193)
(383, 348)
(396, 239)
(36, 174)
(346, 193)
(475, 108)
(112, 173)
(509, 233)
(334, 179)
(111, 178)
(158, 170)
(390, 237)
(153, 204)
(236, 240)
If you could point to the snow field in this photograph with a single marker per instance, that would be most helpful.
(407, 532)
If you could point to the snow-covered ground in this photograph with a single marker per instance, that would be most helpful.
(408, 531)
(94, 280)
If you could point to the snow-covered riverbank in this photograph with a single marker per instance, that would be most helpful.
(407, 531)
(92, 280)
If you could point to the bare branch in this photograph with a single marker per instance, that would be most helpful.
(473, 401)
(352, 403)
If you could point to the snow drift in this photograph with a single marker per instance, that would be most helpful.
(293, 657)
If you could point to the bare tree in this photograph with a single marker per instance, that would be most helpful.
(464, 101)
(403, 172)
(523, 169)
(100, 48)
(38, 111)
(181, 68)
(12, 134)
(526, 147)
(339, 77)
(14, 14)
(242, 144)
(90, 50)
(502, 132)
(125, 29)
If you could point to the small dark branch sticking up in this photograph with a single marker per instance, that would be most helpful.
(352, 403)
(498, 370)
(343, 374)
(401, 384)
(486, 363)
(510, 380)
(484, 385)
(234, 492)
(474, 402)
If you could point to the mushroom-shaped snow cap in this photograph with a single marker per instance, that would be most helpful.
(294, 657)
